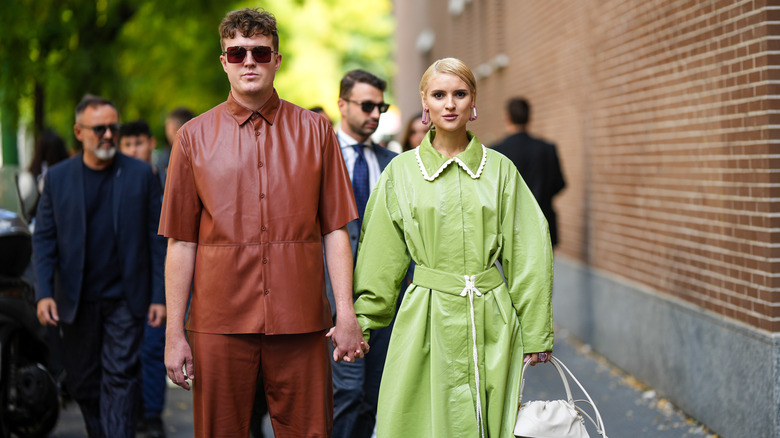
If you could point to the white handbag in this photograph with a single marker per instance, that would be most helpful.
(557, 418)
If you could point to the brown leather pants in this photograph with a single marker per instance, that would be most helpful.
(297, 373)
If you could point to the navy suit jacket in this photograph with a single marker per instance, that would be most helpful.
(383, 157)
(59, 238)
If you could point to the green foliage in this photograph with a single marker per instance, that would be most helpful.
(150, 56)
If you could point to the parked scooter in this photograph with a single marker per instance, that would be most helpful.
(29, 397)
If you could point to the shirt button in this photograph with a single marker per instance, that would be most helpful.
(262, 195)
(257, 133)
(260, 164)
(262, 228)
(266, 292)
(265, 261)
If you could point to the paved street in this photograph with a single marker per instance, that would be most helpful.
(629, 410)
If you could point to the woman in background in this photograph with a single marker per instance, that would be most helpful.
(414, 133)
(49, 150)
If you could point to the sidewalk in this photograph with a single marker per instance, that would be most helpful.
(628, 409)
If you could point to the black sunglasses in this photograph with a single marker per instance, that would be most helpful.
(368, 107)
(100, 130)
(237, 54)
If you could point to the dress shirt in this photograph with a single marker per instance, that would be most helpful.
(346, 142)
(257, 191)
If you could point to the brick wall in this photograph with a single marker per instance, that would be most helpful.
(666, 115)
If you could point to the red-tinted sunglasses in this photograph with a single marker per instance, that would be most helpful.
(237, 54)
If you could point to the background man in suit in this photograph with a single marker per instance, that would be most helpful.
(99, 265)
(535, 159)
(356, 384)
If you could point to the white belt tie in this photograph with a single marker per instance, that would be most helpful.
(469, 291)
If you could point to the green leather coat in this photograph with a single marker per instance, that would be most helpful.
(455, 218)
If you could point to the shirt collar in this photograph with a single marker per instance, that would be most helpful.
(242, 114)
(432, 163)
(347, 140)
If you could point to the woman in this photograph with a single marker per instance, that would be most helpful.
(414, 133)
(50, 149)
(456, 208)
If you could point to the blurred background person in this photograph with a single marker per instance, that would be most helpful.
(175, 120)
(50, 149)
(414, 133)
(99, 268)
(321, 111)
(535, 159)
(136, 140)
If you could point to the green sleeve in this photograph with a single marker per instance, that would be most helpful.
(383, 258)
(527, 262)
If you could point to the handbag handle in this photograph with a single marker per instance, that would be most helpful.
(554, 361)
(560, 367)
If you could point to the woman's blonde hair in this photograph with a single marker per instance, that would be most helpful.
(451, 66)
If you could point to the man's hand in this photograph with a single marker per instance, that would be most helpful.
(47, 311)
(156, 316)
(177, 356)
(347, 339)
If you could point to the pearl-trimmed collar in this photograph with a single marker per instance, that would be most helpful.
(432, 163)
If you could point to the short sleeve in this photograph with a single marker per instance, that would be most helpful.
(337, 203)
(181, 207)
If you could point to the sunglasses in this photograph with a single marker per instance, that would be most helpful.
(368, 107)
(237, 54)
(100, 130)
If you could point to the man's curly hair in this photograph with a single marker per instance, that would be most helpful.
(249, 22)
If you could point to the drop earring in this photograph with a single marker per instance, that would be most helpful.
(426, 118)
(474, 113)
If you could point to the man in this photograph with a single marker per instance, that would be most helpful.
(535, 159)
(99, 265)
(136, 140)
(175, 120)
(356, 384)
(255, 187)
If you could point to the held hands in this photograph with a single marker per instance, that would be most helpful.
(347, 339)
(537, 357)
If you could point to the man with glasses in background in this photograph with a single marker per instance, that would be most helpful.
(256, 187)
(99, 268)
(356, 384)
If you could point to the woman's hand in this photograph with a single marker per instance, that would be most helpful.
(537, 357)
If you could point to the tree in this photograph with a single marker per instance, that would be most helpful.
(149, 56)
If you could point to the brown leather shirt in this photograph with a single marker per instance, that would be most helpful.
(256, 192)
